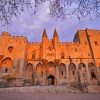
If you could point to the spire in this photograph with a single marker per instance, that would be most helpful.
(55, 33)
(44, 33)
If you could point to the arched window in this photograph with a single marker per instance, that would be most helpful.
(50, 68)
(29, 71)
(92, 70)
(93, 75)
(62, 55)
(10, 49)
(82, 72)
(62, 71)
(39, 70)
(6, 70)
(39, 74)
(72, 72)
(33, 54)
(49, 48)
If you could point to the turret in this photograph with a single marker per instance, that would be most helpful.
(4, 38)
(55, 42)
(44, 43)
(55, 35)
(44, 35)
(5, 34)
(55, 38)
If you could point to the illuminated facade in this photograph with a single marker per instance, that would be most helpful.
(52, 62)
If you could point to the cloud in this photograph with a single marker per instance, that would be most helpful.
(32, 26)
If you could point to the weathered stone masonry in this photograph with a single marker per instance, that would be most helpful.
(52, 62)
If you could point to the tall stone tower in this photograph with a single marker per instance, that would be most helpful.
(56, 43)
(44, 43)
(3, 41)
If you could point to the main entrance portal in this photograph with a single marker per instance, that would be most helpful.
(51, 79)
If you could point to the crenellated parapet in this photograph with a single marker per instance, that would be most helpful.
(31, 43)
(19, 38)
(5, 34)
(69, 44)
(34, 43)
(62, 42)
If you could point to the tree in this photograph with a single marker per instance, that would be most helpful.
(58, 8)
(11, 8)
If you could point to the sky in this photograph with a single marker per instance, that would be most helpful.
(32, 26)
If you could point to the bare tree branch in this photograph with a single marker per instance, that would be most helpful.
(58, 8)
(10, 8)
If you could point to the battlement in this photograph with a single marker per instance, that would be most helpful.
(5, 33)
(68, 43)
(34, 43)
(77, 37)
(20, 38)
(63, 42)
(37, 42)
(30, 43)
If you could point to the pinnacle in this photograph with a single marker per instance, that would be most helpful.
(55, 33)
(44, 33)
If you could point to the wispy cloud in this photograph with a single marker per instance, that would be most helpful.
(32, 25)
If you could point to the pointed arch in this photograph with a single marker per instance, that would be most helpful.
(72, 72)
(92, 70)
(50, 68)
(82, 72)
(62, 71)
(29, 71)
(62, 55)
(39, 69)
(6, 65)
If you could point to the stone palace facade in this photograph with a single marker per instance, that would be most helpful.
(51, 62)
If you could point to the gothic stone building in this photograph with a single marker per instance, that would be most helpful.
(52, 62)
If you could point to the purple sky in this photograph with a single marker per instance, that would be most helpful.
(32, 26)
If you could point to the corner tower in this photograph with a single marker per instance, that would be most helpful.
(4, 38)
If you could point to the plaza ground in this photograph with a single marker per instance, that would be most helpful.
(47, 96)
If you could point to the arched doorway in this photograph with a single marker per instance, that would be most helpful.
(50, 73)
(6, 65)
(51, 80)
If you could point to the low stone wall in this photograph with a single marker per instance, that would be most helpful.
(44, 89)
(93, 89)
(51, 89)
